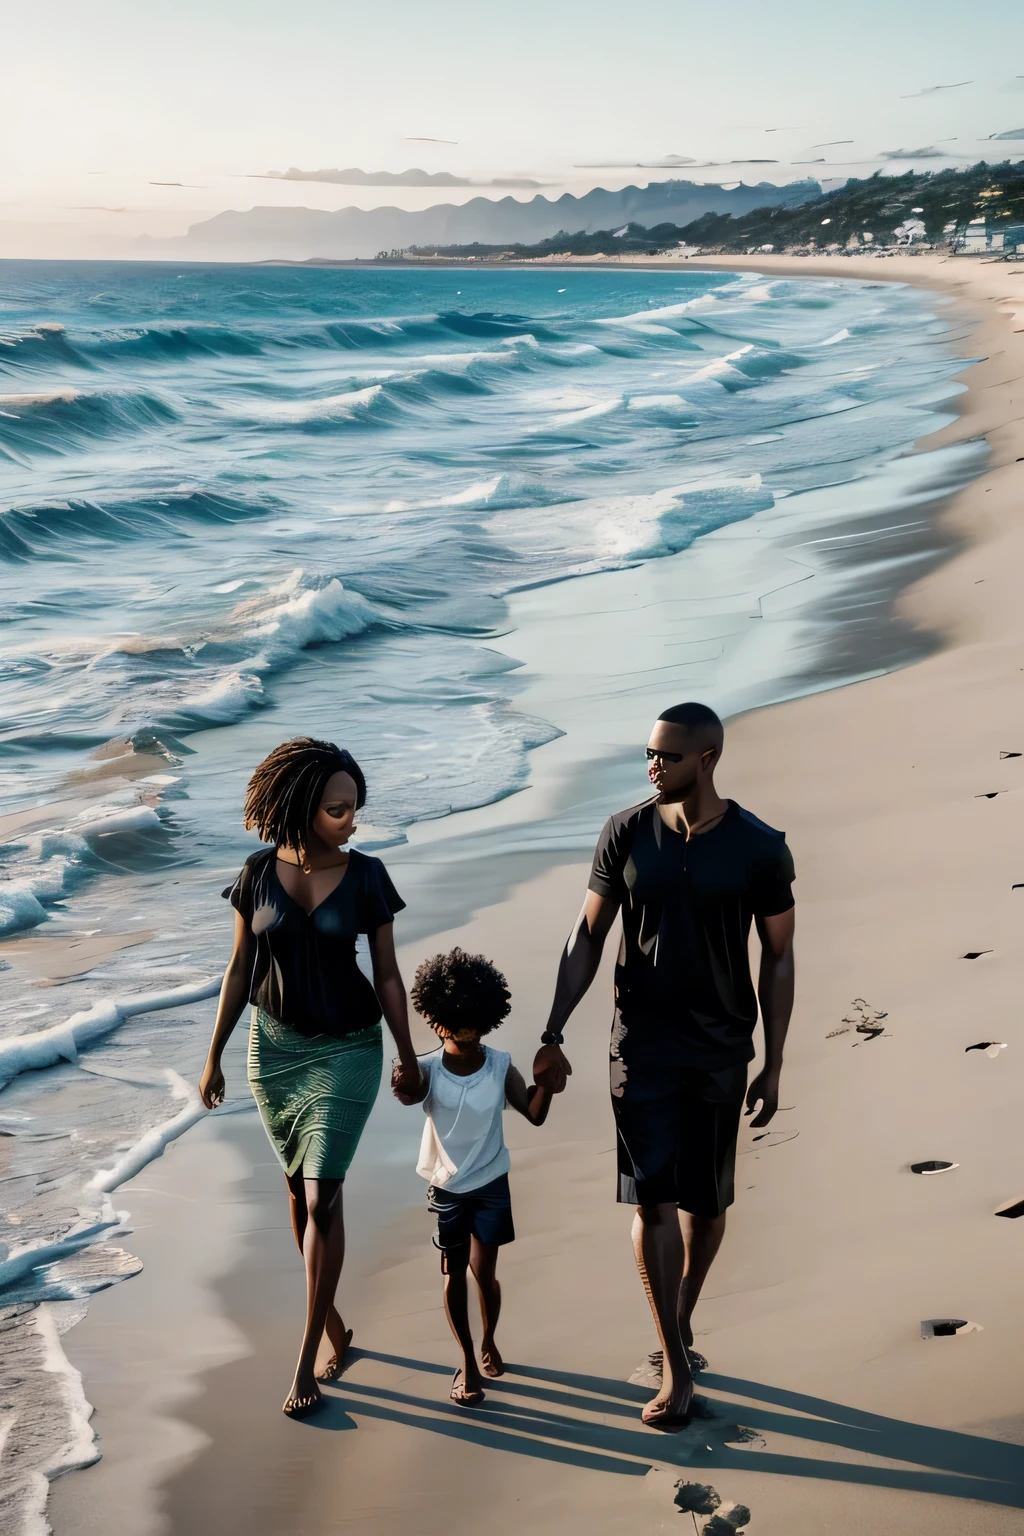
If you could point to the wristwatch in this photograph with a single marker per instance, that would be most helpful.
(551, 1037)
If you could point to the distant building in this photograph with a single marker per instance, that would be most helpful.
(978, 237)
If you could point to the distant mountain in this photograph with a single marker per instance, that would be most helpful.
(300, 233)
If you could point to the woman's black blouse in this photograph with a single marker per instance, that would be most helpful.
(306, 974)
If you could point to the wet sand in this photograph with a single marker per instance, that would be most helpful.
(825, 1408)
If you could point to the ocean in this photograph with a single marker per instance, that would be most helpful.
(474, 524)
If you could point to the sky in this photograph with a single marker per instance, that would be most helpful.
(103, 103)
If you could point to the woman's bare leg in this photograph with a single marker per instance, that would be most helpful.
(323, 1249)
(483, 1261)
(338, 1335)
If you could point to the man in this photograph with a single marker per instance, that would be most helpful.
(689, 872)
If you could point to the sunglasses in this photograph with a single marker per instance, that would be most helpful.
(654, 756)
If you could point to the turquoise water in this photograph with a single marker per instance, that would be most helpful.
(212, 477)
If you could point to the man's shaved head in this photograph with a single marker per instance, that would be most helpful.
(700, 723)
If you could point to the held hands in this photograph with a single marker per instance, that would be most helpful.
(551, 1069)
(211, 1086)
(764, 1088)
(406, 1081)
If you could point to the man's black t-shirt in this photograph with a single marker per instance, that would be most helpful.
(683, 990)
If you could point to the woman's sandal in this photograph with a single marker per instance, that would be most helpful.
(336, 1364)
(464, 1399)
(303, 1407)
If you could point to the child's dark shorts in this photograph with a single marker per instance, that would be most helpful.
(484, 1213)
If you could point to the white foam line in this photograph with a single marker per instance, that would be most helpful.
(20, 1264)
(148, 1148)
(62, 1042)
(151, 1145)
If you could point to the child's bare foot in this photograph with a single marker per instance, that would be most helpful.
(490, 1359)
(341, 1339)
(466, 1390)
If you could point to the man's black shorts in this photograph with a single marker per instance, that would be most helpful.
(676, 1132)
(484, 1213)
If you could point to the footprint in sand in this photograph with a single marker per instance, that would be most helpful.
(866, 1021)
(1012, 1209)
(947, 1327)
(990, 1047)
(1004, 755)
(697, 1498)
(701, 1499)
(990, 794)
(976, 954)
(729, 1519)
(934, 1165)
(650, 1372)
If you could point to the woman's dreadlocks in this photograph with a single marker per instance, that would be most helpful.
(284, 793)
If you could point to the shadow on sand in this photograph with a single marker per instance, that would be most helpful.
(563, 1416)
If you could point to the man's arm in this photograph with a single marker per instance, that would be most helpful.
(577, 968)
(775, 995)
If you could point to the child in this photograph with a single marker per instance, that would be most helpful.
(463, 1090)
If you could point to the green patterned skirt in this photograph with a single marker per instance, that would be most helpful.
(314, 1093)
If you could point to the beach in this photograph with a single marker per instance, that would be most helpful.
(823, 1408)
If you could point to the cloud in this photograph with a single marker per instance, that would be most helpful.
(354, 177)
(929, 152)
(670, 163)
(665, 163)
(929, 90)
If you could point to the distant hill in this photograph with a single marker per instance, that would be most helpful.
(942, 203)
(937, 207)
(300, 233)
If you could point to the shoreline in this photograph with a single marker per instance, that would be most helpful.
(409, 1275)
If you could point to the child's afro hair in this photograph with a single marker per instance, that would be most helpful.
(459, 991)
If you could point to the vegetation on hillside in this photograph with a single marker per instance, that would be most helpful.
(943, 202)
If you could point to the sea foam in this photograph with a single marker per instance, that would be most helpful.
(63, 1042)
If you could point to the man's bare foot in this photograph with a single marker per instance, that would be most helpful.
(669, 1410)
(466, 1391)
(341, 1338)
(490, 1359)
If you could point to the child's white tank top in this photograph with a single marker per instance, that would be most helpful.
(463, 1144)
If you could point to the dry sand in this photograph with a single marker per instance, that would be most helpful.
(827, 1410)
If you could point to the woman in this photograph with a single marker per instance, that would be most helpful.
(315, 1051)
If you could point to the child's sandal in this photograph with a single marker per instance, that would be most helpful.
(464, 1399)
